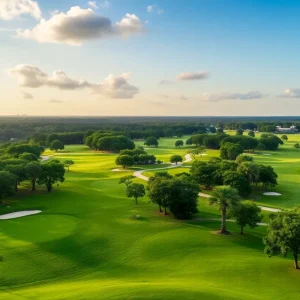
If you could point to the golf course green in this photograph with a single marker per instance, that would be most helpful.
(85, 244)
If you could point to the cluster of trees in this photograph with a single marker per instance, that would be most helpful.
(138, 156)
(210, 141)
(240, 174)
(15, 170)
(179, 194)
(67, 138)
(105, 141)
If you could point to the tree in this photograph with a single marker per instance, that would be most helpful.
(159, 190)
(33, 171)
(52, 172)
(176, 159)
(283, 235)
(124, 161)
(225, 198)
(231, 151)
(151, 141)
(239, 131)
(261, 147)
(28, 156)
(127, 180)
(297, 146)
(179, 194)
(179, 143)
(56, 145)
(250, 170)
(7, 184)
(68, 163)
(243, 158)
(212, 141)
(267, 176)
(247, 213)
(135, 190)
(202, 150)
(204, 173)
(18, 171)
(237, 181)
(284, 137)
(183, 198)
(251, 133)
(194, 152)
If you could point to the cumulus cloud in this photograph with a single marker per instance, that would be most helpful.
(26, 95)
(111, 87)
(192, 76)
(232, 96)
(116, 87)
(79, 25)
(10, 9)
(290, 93)
(154, 9)
(93, 4)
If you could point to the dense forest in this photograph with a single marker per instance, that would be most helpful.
(71, 130)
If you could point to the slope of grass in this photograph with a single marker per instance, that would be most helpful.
(86, 245)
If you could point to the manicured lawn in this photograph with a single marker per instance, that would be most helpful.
(86, 245)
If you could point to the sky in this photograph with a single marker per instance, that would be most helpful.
(150, 58)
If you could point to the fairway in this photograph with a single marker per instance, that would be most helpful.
(86, 245)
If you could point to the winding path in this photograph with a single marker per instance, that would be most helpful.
(188, 158)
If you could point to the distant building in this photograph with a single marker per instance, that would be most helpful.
(291, 129)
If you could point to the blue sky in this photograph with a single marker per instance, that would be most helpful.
(241, 58)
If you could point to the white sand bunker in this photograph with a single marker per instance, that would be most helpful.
(118, 170)
(272, 194)
(20, 214)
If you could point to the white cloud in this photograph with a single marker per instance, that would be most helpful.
(192, 76)
(10, 9)
(232, 96)
(93, 4)
(154, 9)
(112, 86)
(116, 87)
(129, 24)
(26, 95)
(150, 8)
(79, 25)
(290, 93)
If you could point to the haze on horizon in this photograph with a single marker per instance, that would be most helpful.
(143, 58)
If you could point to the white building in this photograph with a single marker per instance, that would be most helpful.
(291, 129)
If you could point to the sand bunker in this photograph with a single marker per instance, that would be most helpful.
(272, 194)
(118, 170)
(20, 214)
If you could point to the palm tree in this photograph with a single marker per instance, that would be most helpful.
(250, 170)
(225, 198)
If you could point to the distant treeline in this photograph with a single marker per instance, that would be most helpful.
(72, 130)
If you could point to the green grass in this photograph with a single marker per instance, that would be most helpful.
(85, 245)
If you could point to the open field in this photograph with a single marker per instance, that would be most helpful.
(86, 245)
